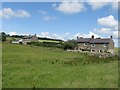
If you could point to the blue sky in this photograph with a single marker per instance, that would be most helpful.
(62, 20)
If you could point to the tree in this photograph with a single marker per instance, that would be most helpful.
(2, 36)
(70, 44)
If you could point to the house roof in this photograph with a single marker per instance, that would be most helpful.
(100, 41)
(83, 40)
(27, 37)
(30, 36)
(93, 41)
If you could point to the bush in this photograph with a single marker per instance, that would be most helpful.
(20, 43)
(3, 36)
(47, 44)
(70, 44)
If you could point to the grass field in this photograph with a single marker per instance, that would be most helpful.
(48, 41)
(117, 50)
(29, 67)
(0, 65)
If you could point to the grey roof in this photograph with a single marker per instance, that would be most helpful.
(93, 41)
(30, 36)
(106, 41)
(83, 40)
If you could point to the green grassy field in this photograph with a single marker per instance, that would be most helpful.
(29, 67)
(0, 65)
(48, 41)
(116, 50)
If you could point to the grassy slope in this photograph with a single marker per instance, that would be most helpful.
(0, 65)
(48, 41)
(116, 50)
(30, 67)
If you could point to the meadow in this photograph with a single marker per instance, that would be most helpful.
(40, 67)
(48, 41)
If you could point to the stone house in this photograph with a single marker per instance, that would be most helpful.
(96, 44)
(30, 38)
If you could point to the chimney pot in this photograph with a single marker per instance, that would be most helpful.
(92, 36)
(111, 36)
(77, 37)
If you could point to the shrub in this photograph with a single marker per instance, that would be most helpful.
(70, 44)
(20, 43)
(47, 44)
(3, 36)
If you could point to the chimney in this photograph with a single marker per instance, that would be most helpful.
(111, 36)
(77, 37)
(92, 36)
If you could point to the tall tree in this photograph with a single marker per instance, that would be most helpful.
(2, 36)
(70, 44)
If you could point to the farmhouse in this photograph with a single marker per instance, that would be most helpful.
(30, 38)
(96, 44)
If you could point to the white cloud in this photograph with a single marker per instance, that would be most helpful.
(12, 33)
(8, 13)
(116, 34)
(110, 26)
(48, 18)
(86, 35)
(77, 6)
(116, 28)
(45, 16)
(21, 13)
(0, 13)
(50, 35)
(56, 36)
(67, 33)
(114, 5)
(117, 43)
(108, 21)
(69, 7)
(15, 33)
(64, 36)
(42, 12)
(98, 4)
(108, 31)
(44, 34)
(103, 31)
(54, 5)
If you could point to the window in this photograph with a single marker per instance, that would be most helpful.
(100, 51)
(104, 45)
(85, 44)
(92, 50)
(93, 45)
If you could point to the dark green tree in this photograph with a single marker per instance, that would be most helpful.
(70, 44)
(2, 36)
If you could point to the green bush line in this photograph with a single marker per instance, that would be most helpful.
(46, 44)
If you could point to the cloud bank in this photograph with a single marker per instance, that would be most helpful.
(8, 13)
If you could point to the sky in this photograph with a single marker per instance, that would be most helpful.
(61, 20)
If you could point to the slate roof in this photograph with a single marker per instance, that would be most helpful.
(83, 40)
(28, 37)
(93, 41)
